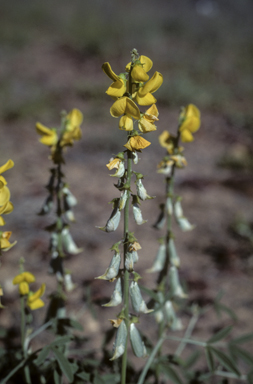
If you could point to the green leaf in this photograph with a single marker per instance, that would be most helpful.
(171, 373)
(98, 380)
(243, 339)
(83, 376)
(71, 323)
(57, 377)
(225, 361)
(112, 378)
(242, 354)
(62, 340)
(250, 377)
(219, 335)
(209, 359)
(63, 364)
(42, 356)
(223, 308)
(149, 292)
(192, 359)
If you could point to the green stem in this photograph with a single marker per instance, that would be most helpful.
(187, 334)
(126, 273)
(150, 360)
(187, 341)
(23, 339)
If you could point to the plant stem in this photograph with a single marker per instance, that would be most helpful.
(187, 334)
(187, 341)
(126, 273)
(150, 360)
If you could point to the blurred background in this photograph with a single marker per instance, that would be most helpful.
(51, 53)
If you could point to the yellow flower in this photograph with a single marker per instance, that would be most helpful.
(23, 279)
(118, 87)
(190, 122)
(5, 245)
(144, 94)
(125, 106)
(34, 299)
(126, 123)
(167, 141)
(146, 122)
(4, 191)
(49, 136)
(118, 164)
(136, 143)
(5, 209)
(140, 69)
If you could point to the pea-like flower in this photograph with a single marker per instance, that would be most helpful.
(125, 106)
(140, 69)
(144, 95)
(4, 210)
(147, 120)
(5, 245)
(4, 190)
(190, 122)
(118, 87)
(136, 143)
(167, 141)
(49, 135)
(118, 164)
(34, 299)
(72, 127)
(23, 280)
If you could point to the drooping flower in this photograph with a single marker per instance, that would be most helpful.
(118, 164)
(49, 135)
(144, 95)
(72, 127)
(167, 141)
(34, 299)
(190, 122)
(136, 143)
(147, 120)
(118, 87)
(23, 280)
(140, 69)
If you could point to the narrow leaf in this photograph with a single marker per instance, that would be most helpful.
(149, 292)
(250, 377)
(243, 339)
(242, 354)
(225, 361)
(57, 377)
(62, 340)
(192, 359)
(209, 359)
(171, 373)
(219, 335)
(64, 364)
(83, 376)
(42, 356)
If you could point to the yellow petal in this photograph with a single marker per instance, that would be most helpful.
(139, 74)
(146, 126)
(42, 129)
(109, 72)
(75, 118)
(6, 208)
(163, 138)
(186, 136)
(192, 110)
(23, 288)
(9, 164)
(126, 123)
(36, 304)
(29, 277)
(4, 195)
(50, 139)
(18, 279)
(152, 85)
(4, 243)
(35, 296)
(145, 100)
(117, 89)
(152, 111)
(148, 64)
(113, 164)
(124, 105)
(2, 222)
(136, 143)
(191, 124)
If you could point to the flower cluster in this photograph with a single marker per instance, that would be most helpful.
(129, 89)
(61, 241)
(33, 299)
(65, 136)
(5, 207)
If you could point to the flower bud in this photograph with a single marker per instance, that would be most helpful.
(47, 206)
(175, 285)
(182, 221)
(137, 301)
(135, 157)
(120, 342)
(161, 218)
(69, 199)
(138, 345)
(178, 209)
(68, 243)
(116, 297)
(113, 221)
(174, 259)
(129, 262)
(159, 260)
(141, 191)
(169, 206)
(138, 215)
(113, 269)
(172, 320)
(123, 199)
(68, 283)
